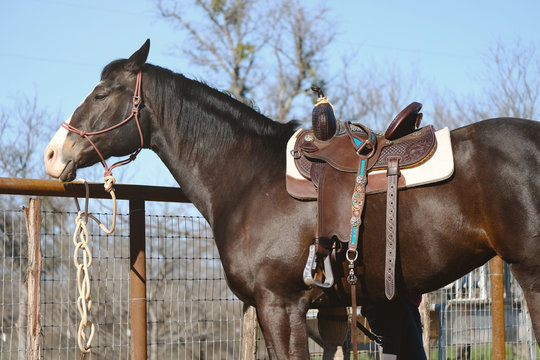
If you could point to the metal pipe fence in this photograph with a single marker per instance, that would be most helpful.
(190, 312)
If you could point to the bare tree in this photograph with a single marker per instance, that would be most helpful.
(512, 83)
(372, 95)
(299, 45)
(236, 38)
(510, 87)
(226, 38)
(23, 129)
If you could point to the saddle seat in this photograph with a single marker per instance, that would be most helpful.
(405, 122)
(340, 151)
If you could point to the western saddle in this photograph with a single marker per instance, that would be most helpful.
(337, 166)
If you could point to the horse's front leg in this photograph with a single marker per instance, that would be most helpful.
(284, 329)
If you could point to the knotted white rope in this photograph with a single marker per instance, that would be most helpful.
(81, 239)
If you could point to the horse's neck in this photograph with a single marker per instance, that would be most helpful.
(215, 172)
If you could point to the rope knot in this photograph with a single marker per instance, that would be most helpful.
(109, 182)
(82, 133)
(110, 178)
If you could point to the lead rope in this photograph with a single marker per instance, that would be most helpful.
(81, 239)
(84, 302)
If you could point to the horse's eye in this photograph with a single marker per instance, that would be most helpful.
(100, 96)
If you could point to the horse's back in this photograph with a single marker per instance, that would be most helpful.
(499, 150)
(509, 130)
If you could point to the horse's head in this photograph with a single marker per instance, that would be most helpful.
(91, 129)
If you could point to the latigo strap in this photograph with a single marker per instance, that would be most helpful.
(391, 224)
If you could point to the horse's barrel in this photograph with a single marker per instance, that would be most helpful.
(323, 118)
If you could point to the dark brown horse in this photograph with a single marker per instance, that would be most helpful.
(230, 161)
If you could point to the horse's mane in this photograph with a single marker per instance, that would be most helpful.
(167, 87)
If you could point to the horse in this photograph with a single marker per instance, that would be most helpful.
(230, 161)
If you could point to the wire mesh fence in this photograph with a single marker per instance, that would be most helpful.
(13, 294)
(109, 288)
(461, 319)
(191, 312)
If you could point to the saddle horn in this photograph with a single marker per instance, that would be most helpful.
(323, 119)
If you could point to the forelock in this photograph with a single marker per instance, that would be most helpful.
(112, 67)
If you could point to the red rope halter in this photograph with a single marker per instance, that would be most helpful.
(137, 99)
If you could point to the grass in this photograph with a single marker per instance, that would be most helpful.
(481, 352)
(478, 352)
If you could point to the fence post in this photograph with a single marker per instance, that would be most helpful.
(33, 226)
(137, 279)
(497, 307)
(425, 316)
(249, 333)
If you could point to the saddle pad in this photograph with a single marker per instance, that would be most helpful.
(438, 168)
(297, 185)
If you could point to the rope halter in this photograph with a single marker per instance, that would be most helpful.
(137, 100)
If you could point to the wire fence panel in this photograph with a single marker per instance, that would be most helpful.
(191, 312)
(13, 293)
(109, 288)
(461, 319)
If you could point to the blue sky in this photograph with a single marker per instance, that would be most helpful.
(55, 49)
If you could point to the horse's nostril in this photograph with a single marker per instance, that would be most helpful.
(50, 154)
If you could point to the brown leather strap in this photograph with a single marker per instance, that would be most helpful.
(323, 246)
(352, 280)
(354, 328)
(391, 224)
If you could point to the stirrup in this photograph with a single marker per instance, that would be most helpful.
(327, 267)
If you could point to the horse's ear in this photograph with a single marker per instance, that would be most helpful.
(138, 59)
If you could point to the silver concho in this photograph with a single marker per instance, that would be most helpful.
(361, 179)
(355, 221)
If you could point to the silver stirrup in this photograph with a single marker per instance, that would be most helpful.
(310, 265)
